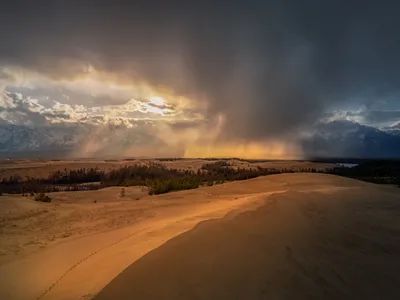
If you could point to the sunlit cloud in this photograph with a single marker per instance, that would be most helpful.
(97, 93)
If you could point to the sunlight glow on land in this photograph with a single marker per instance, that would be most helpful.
(242, 150)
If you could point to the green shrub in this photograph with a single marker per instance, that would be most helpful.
(165, 186)
(42, 198)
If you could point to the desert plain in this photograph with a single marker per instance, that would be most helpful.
(285, 236)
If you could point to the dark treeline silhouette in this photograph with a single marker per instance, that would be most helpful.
(160, 179)
(76, 176)
(66, 180)
(169, 159)
(375, 171)
(37, 186)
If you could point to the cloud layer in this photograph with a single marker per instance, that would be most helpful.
(259, 72)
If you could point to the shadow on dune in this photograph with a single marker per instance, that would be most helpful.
(299, 245)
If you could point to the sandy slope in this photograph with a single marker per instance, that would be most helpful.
(290, 236)
(332, 244)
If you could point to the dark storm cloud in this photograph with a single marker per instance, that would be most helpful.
(183, 125)
(269, 66)
(5, 76)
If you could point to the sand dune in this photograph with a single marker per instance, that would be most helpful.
(299, 245)
(289, 236)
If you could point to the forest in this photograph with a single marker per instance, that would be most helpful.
(160, 179)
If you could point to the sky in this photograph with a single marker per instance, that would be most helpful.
(196, 78)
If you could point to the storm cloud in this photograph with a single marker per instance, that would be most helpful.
(268, 67)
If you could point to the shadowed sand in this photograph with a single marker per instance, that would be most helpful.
(299, 245)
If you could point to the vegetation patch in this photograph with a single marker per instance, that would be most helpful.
(159, 179)
(42, 198)
(375, 171)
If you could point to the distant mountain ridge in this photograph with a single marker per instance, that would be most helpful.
(350, 139)
(27, 128)
(73, 138)
(334, 139)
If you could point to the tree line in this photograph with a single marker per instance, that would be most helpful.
(375, 171)
(160, 179)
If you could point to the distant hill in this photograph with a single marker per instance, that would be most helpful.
(341, 139)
